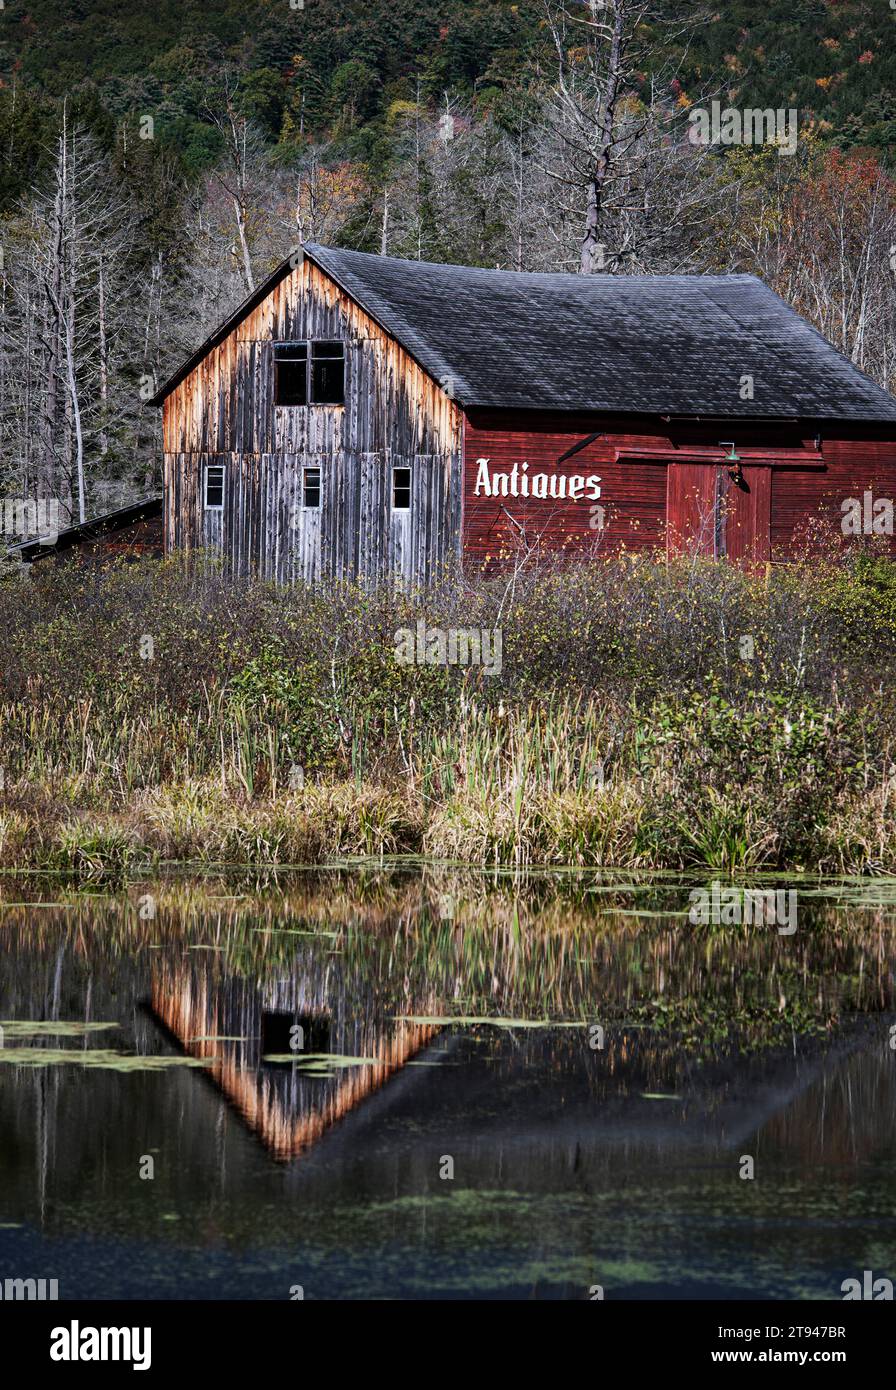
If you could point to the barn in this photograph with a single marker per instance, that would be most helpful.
(363, 417)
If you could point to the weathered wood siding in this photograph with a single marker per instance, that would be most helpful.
(662, 484)
(394, 415)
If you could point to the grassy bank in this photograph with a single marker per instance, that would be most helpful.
(644, 715)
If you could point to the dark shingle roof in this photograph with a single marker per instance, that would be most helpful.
(665, 344)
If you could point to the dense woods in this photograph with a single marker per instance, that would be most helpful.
(155, 162)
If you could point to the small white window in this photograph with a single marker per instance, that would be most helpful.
(311, 487)
(214, 487)
(401, 489)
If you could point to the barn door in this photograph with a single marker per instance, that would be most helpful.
(718, 511)
(692, 511)
(747, 505)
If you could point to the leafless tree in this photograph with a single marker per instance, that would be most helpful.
(821, 230)
(617, 157)
(67, 340)
(240, 172)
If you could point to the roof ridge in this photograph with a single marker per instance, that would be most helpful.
(571, 275)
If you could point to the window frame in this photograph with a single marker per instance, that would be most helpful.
(306, 507)
(206, 470)
(288, 405)
(309, 344)
(402, 468)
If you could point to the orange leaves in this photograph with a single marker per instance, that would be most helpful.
(845, 186)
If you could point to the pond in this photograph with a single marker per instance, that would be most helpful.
(410, 1081)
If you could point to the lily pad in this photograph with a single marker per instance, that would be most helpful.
(95, 1057)
(313, 1061)
(468, 1021)
(31, 1028)
(641, 912)
(218, 1037)
(620, 887)
(66, 906)
(291, 931)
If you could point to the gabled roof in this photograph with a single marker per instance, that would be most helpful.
(645, 344)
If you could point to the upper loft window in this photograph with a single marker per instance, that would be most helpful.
(309, 373)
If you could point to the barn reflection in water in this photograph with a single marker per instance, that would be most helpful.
(249, 1032)
(472, 1037)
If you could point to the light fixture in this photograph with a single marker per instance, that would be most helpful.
(736, 473)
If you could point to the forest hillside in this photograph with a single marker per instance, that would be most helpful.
(156, 161)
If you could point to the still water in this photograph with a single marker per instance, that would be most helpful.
(408, 1082)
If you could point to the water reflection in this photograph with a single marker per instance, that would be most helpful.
(240, 1031)
(574, 1163)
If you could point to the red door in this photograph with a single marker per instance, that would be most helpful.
(719, 510)
(748, 515)
(692, 520)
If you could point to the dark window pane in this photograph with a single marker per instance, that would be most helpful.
(312, 487)
(291, 373)
(327, 374)
(214, 487)
(401, 489)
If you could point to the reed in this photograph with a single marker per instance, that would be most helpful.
(626, 727)
(525, 794)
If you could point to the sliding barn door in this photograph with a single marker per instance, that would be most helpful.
(692, 514)
(714, 510)
(747, 506)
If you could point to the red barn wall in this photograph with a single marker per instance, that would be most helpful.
(659, 482)
(852, 467)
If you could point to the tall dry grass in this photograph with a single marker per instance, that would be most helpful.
(626, 726)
